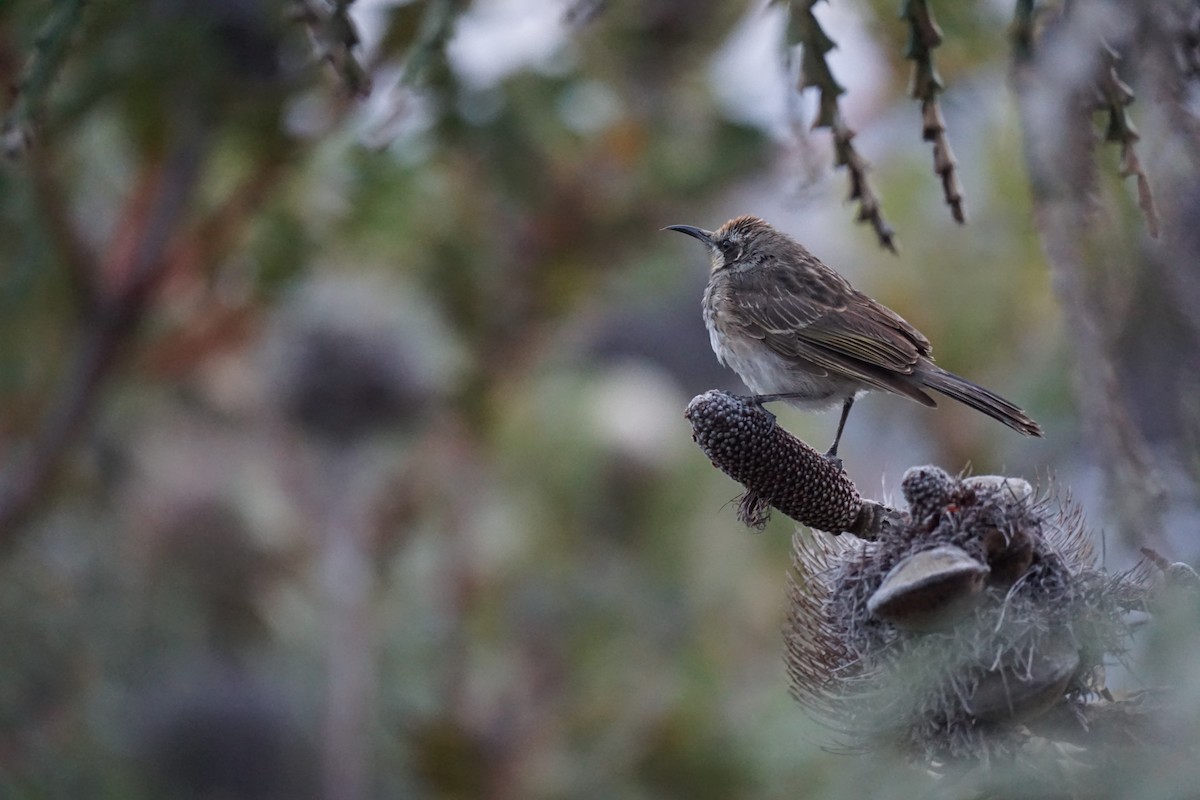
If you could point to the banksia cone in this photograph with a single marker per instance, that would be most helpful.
(972, 630)
(777, 469)
(951, 637)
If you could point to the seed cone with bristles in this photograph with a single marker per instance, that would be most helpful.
(1033, 622)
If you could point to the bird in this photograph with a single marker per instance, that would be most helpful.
(795, 330)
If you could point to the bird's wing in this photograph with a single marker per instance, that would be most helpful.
(869, 332)
(834, 327)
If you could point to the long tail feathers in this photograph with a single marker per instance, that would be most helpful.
(981, 399)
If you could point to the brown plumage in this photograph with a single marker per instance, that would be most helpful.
(795, 330)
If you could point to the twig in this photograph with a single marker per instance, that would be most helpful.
(1107, 93)
(1021, 32)
(1059, 156)
(214, 323)
(77, 258)
(214, 235)
(347, 549)
(923, 36)
(1116, 96)
(1059, 161)
(1187, 40)
(334, 36)
(435, 30)
(105, 330)
(50, 50)
(1175, 70)
(815, 73)
(582, 12)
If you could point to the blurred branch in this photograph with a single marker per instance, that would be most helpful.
(436, 27)
(334, 37)
(139, 265)
(923, 36)
(1108, 93)
(581, 12)
(1174, 70)
(216, 323)
(104, 330)
(215, 235)
(156, 246)
(1021, 32)
(75, 254)
(347, 550)
(50, 50)
(1188, 37)
(815, 73)
(1059, 141)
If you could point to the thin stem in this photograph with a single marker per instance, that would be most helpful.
(49, 52)
(816, 73)
(104, 332)
(1117, 98)
(926, 85)
(334, 36)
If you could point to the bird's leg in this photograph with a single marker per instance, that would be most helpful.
(832, 453)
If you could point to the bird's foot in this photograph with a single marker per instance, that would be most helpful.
(758, 400)
(832, 457)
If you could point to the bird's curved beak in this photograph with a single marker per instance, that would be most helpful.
(693, 231)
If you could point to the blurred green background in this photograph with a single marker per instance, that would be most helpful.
(343, 434)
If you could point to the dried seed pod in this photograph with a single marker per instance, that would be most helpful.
(777, 469)
(927, 490)
(929, 590)
(1016, 490)
(349, 359)
(1172, 585)
(1177, 573)
(1009, 554)
(965, 690)
(1027, 688)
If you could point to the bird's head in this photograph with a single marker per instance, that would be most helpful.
(735, 242)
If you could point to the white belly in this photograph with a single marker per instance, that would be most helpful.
(765, 372)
